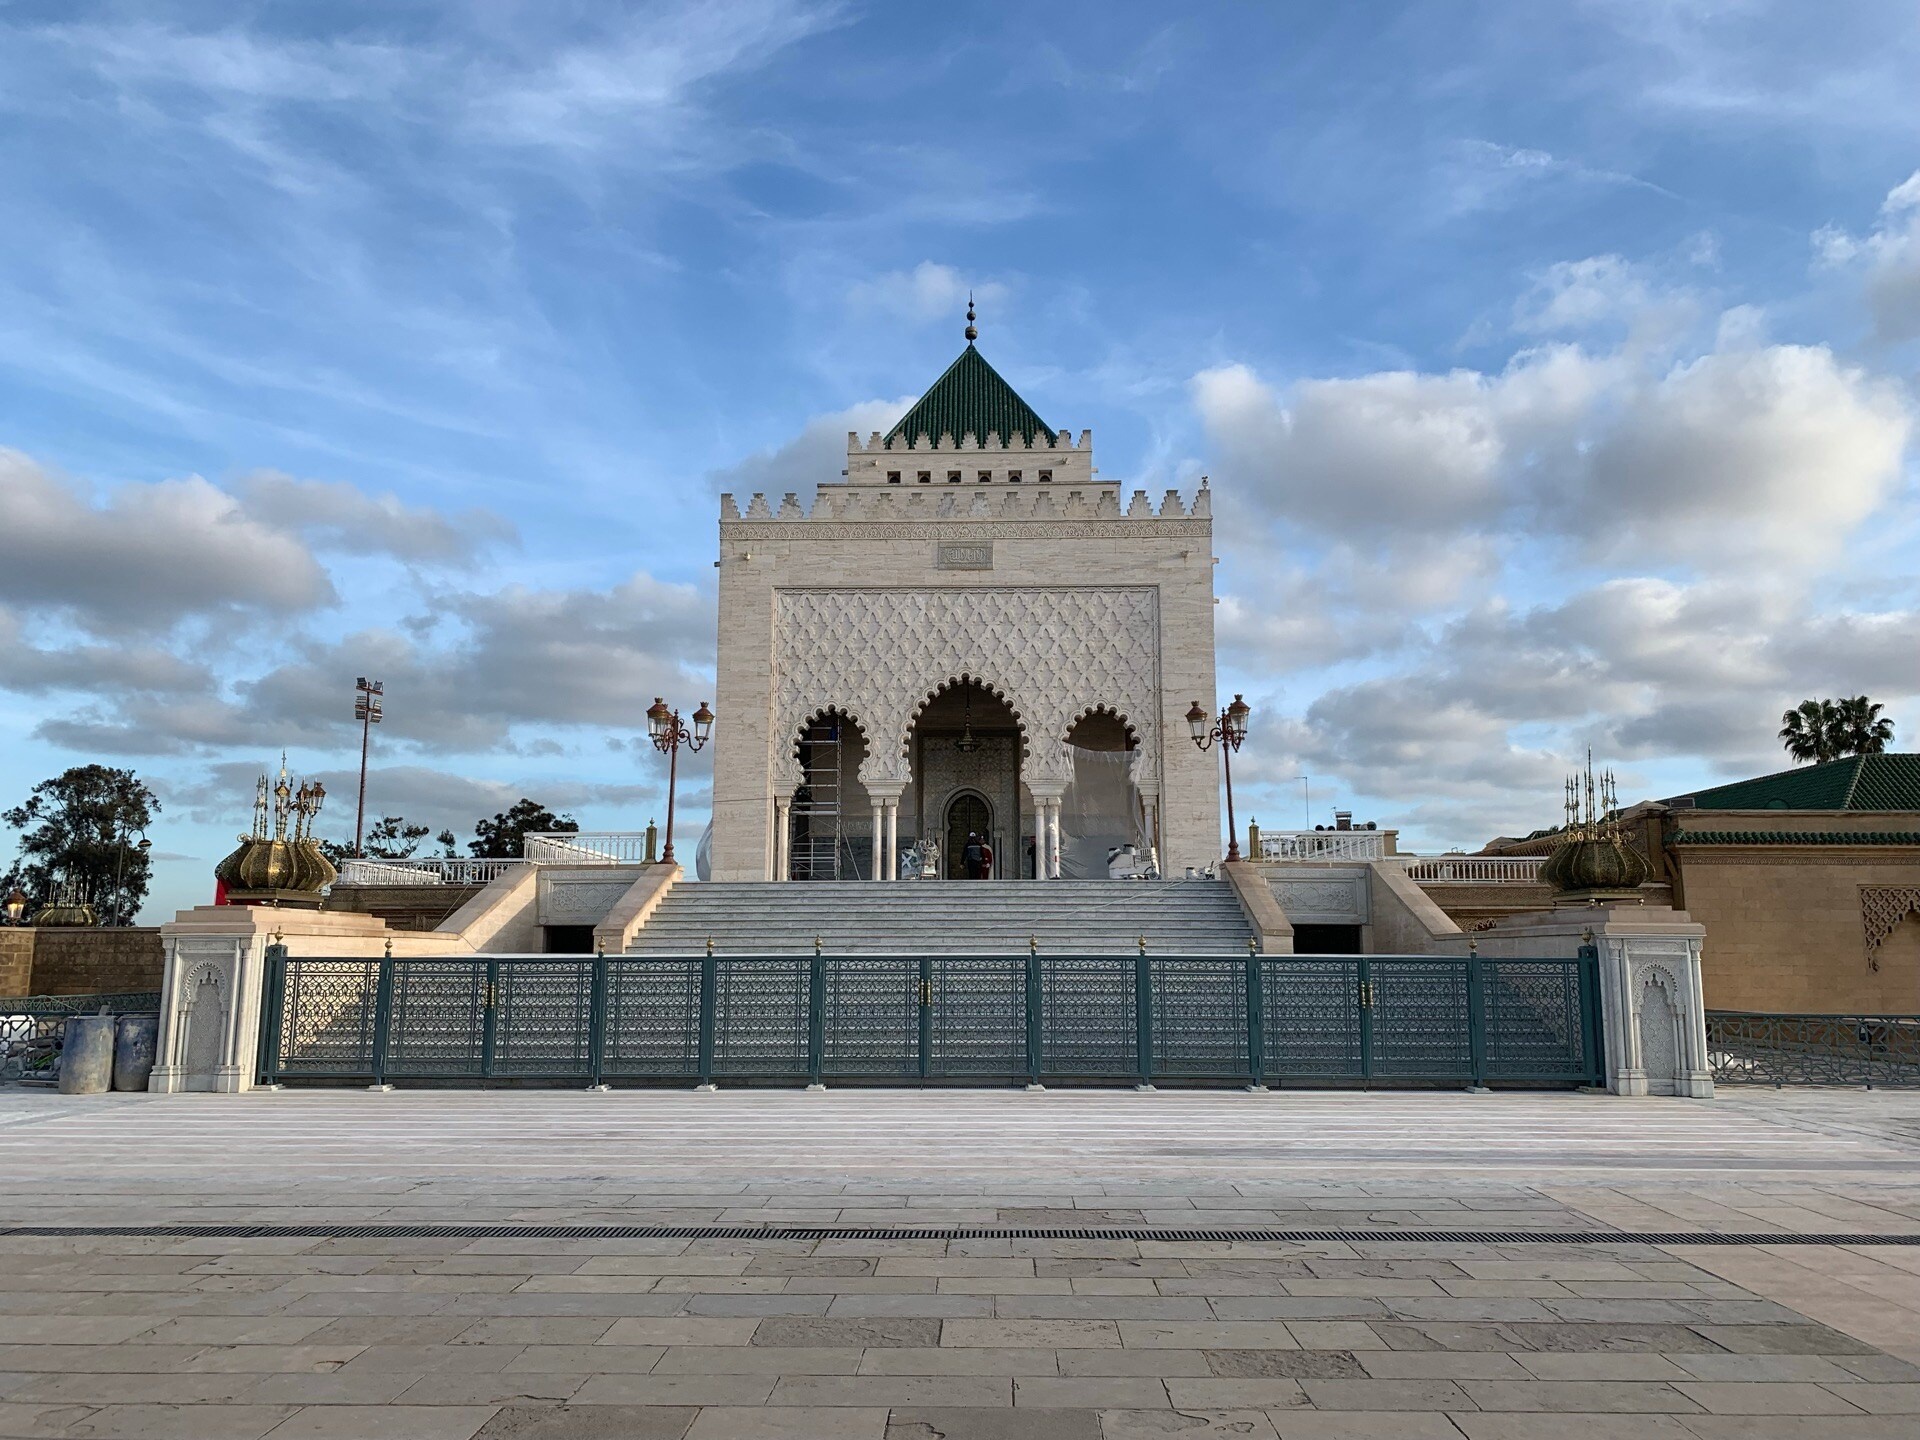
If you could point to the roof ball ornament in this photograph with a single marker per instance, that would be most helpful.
(973, 334)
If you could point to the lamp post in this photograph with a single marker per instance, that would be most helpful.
(16, 905)
(1306, 802)
(669, 733)
(1230, 729)
(120, 873)
(366, 709)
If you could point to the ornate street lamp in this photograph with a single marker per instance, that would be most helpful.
(16, 905)
(1230, 730)
(668, 733)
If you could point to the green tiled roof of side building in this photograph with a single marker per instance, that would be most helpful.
(1859, 782)
(971, 398)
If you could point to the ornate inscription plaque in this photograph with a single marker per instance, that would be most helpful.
(970, 555)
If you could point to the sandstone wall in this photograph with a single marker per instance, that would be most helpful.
(1786, 928)
(80, 962)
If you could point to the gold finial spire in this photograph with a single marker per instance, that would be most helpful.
(972, 333)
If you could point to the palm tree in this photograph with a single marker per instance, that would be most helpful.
(1861, 730)
(1823, 730)
(1808, 731)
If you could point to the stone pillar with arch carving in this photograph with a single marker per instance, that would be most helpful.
(1652, 1008)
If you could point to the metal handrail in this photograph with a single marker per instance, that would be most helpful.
(1286, 845)
(586, 847)
(424, 870)
(1474, 869)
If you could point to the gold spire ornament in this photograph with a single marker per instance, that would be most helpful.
(972, 333)
(1593, 861)
(280, 862)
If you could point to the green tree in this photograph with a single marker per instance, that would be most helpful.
(1807, 730)
(1823, 730)
(1861, 730)
(504, 837)
(391, 837)
(86, 825)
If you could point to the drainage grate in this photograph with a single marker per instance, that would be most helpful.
(954, 1232)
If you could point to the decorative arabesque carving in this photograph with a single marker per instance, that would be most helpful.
(1882, 908)
(1050, 654)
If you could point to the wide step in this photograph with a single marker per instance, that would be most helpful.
(948, 917)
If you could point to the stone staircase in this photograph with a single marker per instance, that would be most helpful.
(949, 917)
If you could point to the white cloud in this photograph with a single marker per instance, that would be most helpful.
(818, 453)
(1776, 453)
(1888, 261)
(149, 556)
(1771, 453)
(335, 515)
(641, 80)
(927, 292)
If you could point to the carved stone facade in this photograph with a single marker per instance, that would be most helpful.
(580, 897)
(1057, 601)
(210, 1019)
(1052, 655)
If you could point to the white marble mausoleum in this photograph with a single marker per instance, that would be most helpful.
(969, 629)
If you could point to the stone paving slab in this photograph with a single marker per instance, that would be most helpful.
(990, 1338)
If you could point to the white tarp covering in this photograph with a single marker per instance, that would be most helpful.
(1100, 811)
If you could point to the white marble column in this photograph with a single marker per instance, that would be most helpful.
(893, 839)
(782, 838)
(879, 839)
(1150, 813)
(1053, 840)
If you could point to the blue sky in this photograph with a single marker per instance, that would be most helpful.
(1554, 367)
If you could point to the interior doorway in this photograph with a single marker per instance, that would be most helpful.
(967, 813)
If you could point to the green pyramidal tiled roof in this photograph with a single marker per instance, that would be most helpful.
(1859, 782)
(971, 398)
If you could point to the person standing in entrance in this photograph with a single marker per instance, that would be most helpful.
(986, 859)
(973, 856)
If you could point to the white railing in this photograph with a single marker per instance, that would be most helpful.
(1475, 869)
(1293, 845)
(587, 847)
(424, 870)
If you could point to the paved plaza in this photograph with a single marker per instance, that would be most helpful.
(304, 1335)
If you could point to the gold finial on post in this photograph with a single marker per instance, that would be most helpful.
(972, 333)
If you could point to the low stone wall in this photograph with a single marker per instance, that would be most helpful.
(403, 907)
(89, 961)
(1473, 905)
(16, 961)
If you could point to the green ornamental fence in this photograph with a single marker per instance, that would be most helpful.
(912, 1019)
(1755, 1048)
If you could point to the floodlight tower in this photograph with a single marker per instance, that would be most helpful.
(366, 709)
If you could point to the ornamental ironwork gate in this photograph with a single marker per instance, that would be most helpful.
(914, 1019)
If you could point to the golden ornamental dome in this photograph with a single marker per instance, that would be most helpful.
(1593, 860)
(1595, 864)
(286, 867)
(66, 914)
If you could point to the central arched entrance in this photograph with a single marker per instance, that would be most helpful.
(967, 814)
(964, 756)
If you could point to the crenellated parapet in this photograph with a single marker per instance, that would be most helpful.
(943, 460)
(1096, 504)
